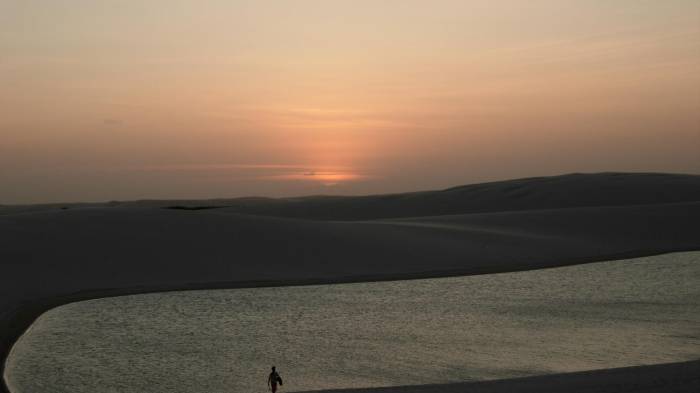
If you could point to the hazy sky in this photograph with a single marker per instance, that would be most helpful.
(103, 100)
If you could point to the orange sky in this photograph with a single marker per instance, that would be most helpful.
(199, 99)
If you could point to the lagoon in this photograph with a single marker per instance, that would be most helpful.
(609, 314)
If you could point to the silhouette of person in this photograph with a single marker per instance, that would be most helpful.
(273, 379)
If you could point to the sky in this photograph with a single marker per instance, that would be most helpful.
(167, 99)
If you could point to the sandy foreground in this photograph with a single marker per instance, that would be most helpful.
(52, 255)
(674, 377)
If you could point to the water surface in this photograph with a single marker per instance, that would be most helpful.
(608, 314)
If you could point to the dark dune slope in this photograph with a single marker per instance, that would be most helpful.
(574, 190)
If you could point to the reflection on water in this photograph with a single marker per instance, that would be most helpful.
(610, 314)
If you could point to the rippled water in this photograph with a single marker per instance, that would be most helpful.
(610, 314)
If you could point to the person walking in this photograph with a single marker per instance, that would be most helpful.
(273, 379)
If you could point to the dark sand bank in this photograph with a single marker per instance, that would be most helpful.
(674, 377)
(51, 256)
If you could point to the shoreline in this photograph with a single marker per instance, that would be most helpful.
(38, 307)
(679, 377)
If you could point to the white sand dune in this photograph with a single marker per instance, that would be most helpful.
(50, 256)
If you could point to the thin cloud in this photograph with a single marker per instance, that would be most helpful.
(329, 175)
(219, 166)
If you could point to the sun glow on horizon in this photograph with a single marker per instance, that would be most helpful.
(327, 178)
(117, 101)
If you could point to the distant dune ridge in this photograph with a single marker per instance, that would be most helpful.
(50, 256)
(573, 190)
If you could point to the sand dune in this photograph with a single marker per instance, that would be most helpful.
(675, 377)
(51, 256)
(573, 190)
